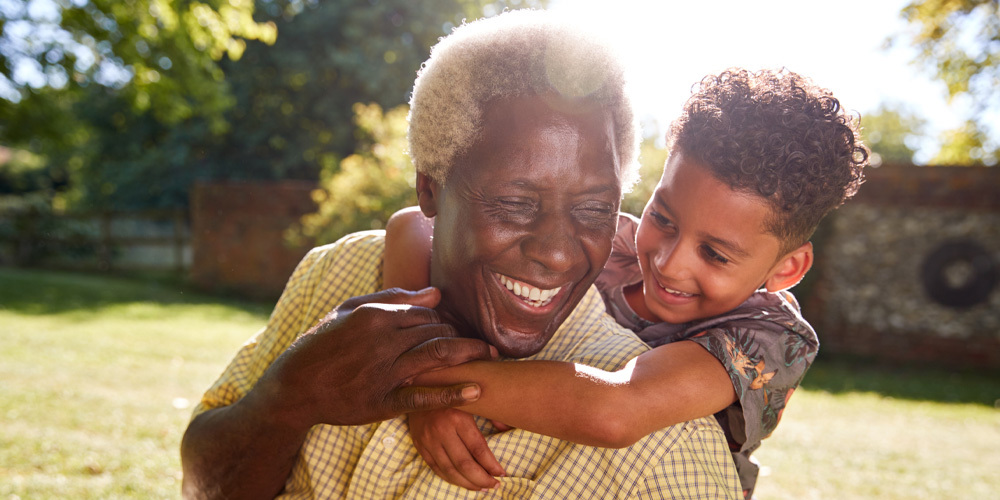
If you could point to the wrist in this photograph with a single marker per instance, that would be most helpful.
(278, 409)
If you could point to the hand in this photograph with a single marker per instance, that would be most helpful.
(356, 366)
(453, 447)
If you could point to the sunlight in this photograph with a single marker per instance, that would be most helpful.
(669, 46)
(619, 377)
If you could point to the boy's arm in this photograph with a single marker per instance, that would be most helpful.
(407, 261)
(670, 384)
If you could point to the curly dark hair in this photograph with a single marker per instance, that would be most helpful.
(777, 135)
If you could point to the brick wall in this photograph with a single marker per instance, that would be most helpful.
(237, 235)
(871, 296)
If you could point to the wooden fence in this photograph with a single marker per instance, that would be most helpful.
(148, 240)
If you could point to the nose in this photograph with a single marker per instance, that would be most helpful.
(672, 259)
(554, 244)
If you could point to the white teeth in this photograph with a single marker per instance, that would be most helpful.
(676, 292)
(535, 296)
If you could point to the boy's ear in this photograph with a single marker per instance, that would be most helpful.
(789, 271)
(427, 195)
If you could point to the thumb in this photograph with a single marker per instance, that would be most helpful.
(428, 297)
(410, 399)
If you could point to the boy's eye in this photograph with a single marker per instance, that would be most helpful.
(659, 218)
(714, 256)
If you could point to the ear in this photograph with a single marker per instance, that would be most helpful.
(427, 195)
(789, 271)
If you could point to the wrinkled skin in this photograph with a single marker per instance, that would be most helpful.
(535, 201)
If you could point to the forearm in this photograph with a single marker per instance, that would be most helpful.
(239, 451)
(662, 387)
(558, 399)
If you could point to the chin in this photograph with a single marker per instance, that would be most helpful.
(518, 344)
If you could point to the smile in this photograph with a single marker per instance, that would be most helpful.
(677, 293)
(530, 295)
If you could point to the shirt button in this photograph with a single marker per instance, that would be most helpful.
(389, 442)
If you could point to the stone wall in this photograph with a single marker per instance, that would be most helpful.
(908, 270)
(237, 235)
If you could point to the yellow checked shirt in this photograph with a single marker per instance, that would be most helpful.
(376, 461)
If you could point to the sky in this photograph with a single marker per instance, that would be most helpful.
(670, 45)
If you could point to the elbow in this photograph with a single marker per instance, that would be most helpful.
(615, 431)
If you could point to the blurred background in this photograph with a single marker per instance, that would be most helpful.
(166, 164)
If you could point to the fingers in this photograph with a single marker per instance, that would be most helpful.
(440, 353)
(474, 441)
(461, 466)
(430, 431)
(500, 426)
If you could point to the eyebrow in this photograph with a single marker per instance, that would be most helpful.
(597, 189)
(727, 245)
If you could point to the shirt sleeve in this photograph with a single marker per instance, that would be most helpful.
(622, 267)
(253, 358)
(766, 361)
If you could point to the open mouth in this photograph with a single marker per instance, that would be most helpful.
(677, 293)
(531, 295)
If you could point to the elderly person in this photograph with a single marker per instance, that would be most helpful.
(522, 136)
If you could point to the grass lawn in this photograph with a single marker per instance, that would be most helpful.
(98, 376)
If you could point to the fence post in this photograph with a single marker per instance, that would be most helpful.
(179, 241)
(104, 246)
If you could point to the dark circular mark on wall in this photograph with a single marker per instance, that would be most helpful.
(959, 273)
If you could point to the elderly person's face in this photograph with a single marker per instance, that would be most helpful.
(524, 222)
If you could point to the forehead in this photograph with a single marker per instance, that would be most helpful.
(691, 192)
(528, 139)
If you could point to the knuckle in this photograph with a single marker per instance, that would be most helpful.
(438, 350)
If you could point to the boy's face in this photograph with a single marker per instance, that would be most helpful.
(703, 248)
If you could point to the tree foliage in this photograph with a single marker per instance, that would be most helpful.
(891, 132)
(158, 55)
(652, 157)
(138, 99)
(370, 184)
(959, 41)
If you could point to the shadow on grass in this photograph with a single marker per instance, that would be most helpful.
(842, 374)
(40, 292)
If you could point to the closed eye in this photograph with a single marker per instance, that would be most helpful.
(713, 255)
(660, 219)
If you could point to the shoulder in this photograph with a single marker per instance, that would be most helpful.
(348, 267)
(590, 336)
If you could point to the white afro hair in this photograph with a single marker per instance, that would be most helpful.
(517, 53)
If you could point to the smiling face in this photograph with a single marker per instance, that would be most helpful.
(524, 222)
(703, 247)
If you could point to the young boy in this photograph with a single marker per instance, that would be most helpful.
(756, 161)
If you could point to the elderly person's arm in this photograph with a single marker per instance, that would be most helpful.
(354, 367)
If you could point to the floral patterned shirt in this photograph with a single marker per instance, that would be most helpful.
(764, 344)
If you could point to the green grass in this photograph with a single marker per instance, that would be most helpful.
(97, 380)
(98, 376)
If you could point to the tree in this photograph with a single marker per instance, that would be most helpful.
(370, 184)
(959, 41)
(891, 132)
(293, 116)
(153, 113)
(160, 56)
(652, 157)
